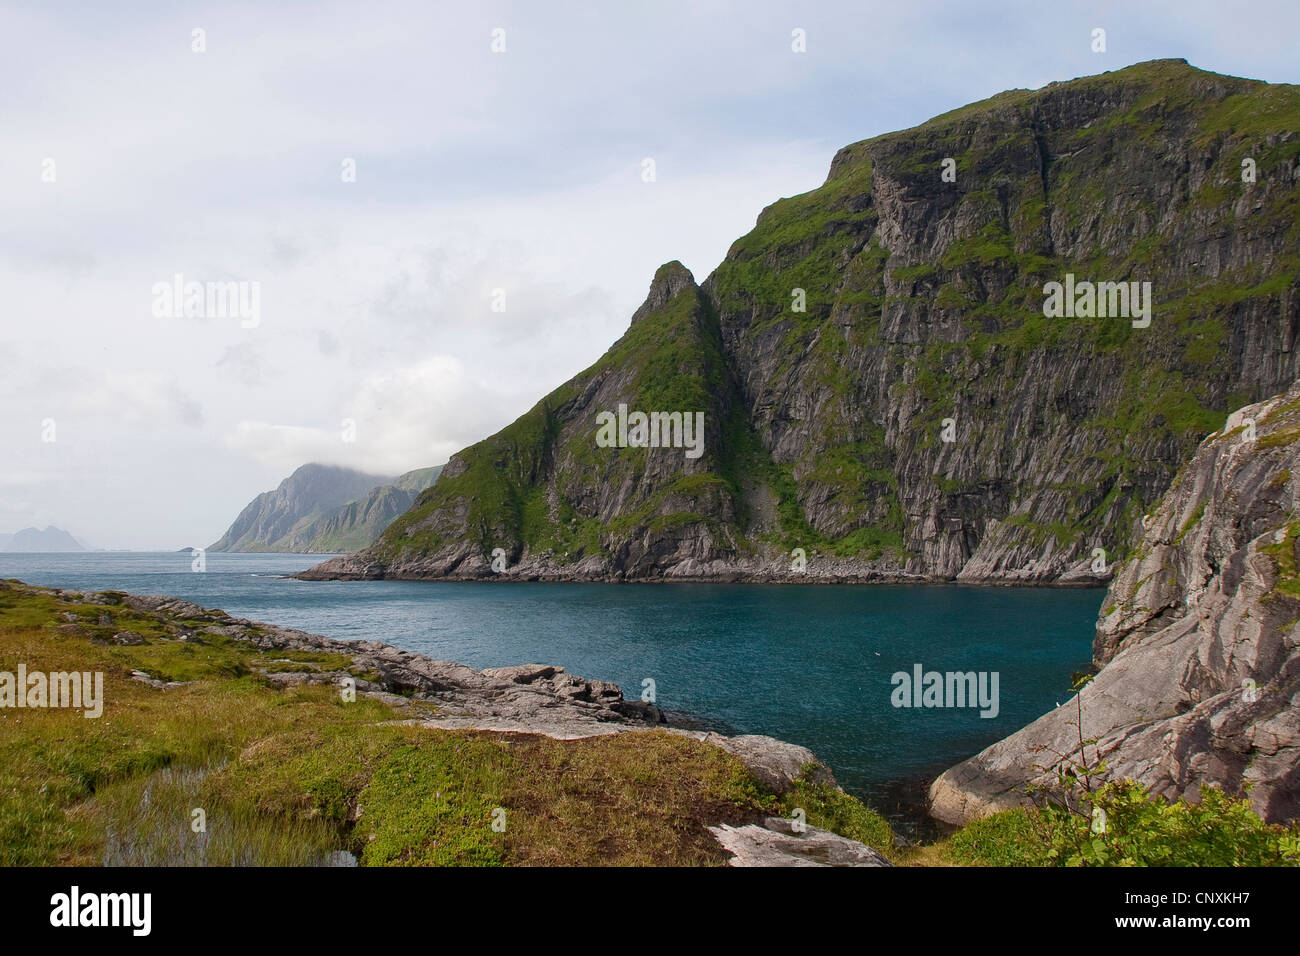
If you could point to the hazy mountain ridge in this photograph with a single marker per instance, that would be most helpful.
(358, 523)
(923, 303)
(35, 540)
(324, 508)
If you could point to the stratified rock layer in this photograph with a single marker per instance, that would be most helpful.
(1197, 643)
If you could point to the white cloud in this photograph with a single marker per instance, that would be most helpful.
(392, 422)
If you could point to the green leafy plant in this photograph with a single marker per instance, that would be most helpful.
(1076, 776)
(1142, 830)
(1085, 819)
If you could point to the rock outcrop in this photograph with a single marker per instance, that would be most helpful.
(774, 763)
(778, 843)
(1198, 643)
(879, 383)
(532, 699)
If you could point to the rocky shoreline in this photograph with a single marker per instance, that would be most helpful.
(473, 567)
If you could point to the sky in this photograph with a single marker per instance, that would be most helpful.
(498, 231)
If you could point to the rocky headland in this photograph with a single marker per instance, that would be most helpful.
(323, 509)
(1197, 648)
(883, 395)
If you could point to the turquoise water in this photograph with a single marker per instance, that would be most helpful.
(810, 664)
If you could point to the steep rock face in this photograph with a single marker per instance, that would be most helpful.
(925, 303)
(321, 508)
(1199, 642)
(860, 326)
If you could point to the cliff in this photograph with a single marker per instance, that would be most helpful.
(1198, 644)
(879, 383)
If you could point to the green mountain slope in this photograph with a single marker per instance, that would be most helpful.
(923, 307)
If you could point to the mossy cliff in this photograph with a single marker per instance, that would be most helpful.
(922, 301)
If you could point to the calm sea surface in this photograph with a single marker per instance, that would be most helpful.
(809, 664)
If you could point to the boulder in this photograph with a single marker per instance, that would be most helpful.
(778, 843)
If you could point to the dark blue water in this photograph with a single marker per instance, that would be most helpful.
(810, 664)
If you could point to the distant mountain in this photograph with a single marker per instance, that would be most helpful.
(35, 540)
(322, 508)
(358, 523)
(416, 481)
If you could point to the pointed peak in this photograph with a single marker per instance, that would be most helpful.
(673, 270)
(670, 279)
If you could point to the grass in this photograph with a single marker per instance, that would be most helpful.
(1017, 837)
(1192, 521)
(1283, 554)
(831, 809)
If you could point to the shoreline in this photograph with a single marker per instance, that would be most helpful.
(907, 797)
(465, 747)
(908, 808)
(792, 580)
(812, 582)
(787, 578)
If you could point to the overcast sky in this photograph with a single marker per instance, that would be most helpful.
(475, 171)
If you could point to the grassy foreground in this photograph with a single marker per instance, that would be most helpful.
(230, 768)
(288, 776)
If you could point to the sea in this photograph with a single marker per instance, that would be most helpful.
(816, 665)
